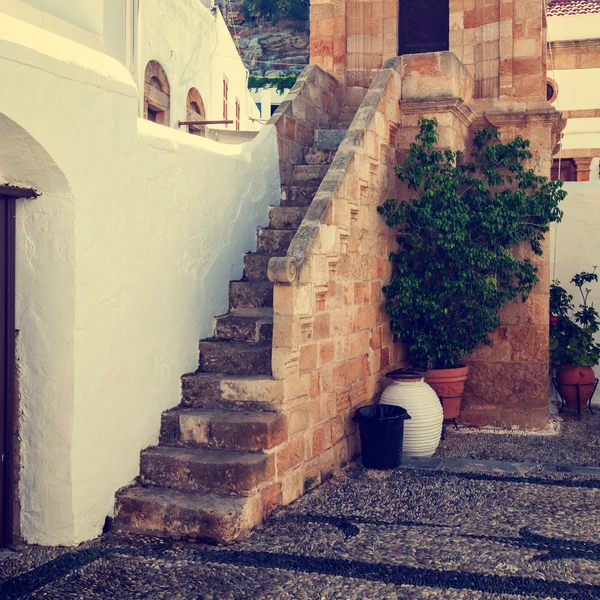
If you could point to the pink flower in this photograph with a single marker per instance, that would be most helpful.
(553, 321)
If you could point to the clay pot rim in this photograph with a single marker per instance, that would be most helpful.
(407, 374)
(456, 371)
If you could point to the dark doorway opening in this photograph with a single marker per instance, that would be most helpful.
(423, 26)
(8, 197)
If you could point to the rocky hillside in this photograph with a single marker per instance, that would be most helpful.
(267, 48)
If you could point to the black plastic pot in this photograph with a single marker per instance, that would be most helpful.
(381, 435)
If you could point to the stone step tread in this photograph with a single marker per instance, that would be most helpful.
(256, 265)
(275, 241)
(286, 217)
(207, 456)
(165, 512)
(312, 173)
(217, 428)
(237, 358)
(328, 139)
(258, 392)
(203, 469)
(251, 294)
(299, 195)
(319, 156)
(245, 325)
(228, 416)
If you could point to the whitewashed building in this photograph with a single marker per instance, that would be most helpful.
(123, 258)
(574, 88)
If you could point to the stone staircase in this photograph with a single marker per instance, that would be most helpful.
(210, 476)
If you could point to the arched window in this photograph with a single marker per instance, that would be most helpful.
(551, 90)
(238, 114)
(423, 26)
(195, 112)
(156, 94)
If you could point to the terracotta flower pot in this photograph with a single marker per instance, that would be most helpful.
(566, 382)
(449, 384)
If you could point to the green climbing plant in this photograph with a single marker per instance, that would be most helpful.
(282, 83)
(297, 10)
(454, 268)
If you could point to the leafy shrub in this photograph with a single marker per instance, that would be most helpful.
(454, 268)
(572, 331)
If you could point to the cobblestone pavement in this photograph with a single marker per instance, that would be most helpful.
(408, 533)
(577, 443)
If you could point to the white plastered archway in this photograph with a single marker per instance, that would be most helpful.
(45, 316)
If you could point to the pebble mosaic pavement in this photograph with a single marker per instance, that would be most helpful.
(482, 531)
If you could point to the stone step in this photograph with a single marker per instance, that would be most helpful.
(274, 241)
(286, 217)
(231, 392)
(328, 139)
(298, 195)
(255, 266)
(245, 325)
(236, 358)
(200, 469)
(309, 174)
(233, 430)
(164, 512)
(250, 294)
(318, 156)
(346, 117)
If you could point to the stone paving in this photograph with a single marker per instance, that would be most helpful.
(472, 530)
(577, 443)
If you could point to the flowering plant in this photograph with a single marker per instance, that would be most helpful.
(572, 331)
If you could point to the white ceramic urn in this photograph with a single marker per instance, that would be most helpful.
(423, 431)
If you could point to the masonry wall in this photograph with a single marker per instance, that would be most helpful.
(501, 43)
(331, 338)
(122, 262)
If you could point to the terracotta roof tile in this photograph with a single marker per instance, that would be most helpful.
(563, 8)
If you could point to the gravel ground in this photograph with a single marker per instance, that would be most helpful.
(577, 443)
(407, 533)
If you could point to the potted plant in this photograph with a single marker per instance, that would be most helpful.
(573, 350)
(454, 268)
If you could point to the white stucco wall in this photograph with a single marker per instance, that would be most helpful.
(121, 265)
(195, 49)
(573, 27)
(577, 238)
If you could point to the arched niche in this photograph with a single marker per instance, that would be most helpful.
(157, 92)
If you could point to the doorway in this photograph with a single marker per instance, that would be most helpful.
(7, 362)
(8, 196)
(423, 26)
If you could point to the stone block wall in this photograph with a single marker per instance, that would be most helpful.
(332, 345)
(501, 42)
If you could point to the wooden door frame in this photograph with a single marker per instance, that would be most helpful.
(8, 197)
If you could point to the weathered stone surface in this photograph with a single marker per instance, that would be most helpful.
(245, 325)
(233, 430)
(329, 139)
(500, 393)
(237, 358)
(309, 174)
(274, 241)
(198, 469)
(163, 512)
(318, 156)
(300, 195)
(255, 266)
(286, 217)
(250, 294)
(219, 390)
